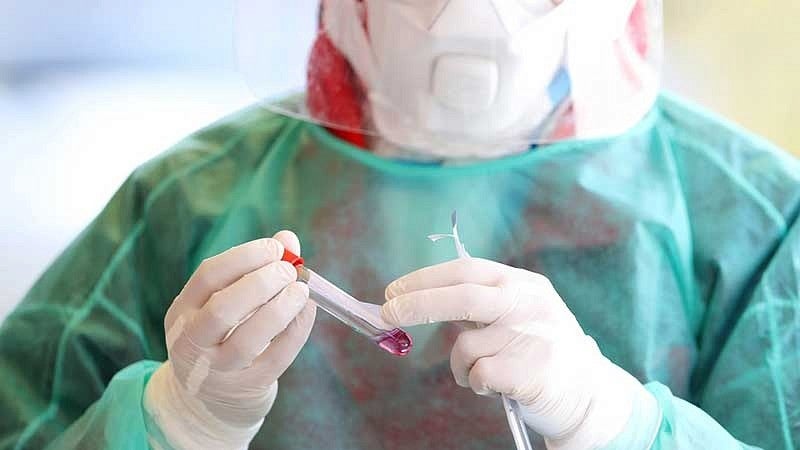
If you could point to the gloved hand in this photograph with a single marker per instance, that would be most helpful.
(532, 349)
(221, 378)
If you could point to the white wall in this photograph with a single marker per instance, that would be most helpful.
(40, 31)
(69, 139)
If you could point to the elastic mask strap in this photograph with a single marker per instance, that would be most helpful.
(342, 21)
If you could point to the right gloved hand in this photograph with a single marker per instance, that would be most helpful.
(221, 378)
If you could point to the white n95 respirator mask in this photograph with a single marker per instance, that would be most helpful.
(477, 78)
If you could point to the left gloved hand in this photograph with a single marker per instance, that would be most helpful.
(532, 349)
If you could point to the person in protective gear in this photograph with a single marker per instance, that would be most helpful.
(635, 285)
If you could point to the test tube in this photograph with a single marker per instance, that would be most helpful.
(364, 318)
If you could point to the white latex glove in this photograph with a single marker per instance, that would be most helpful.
(217, 386)
(532, 349)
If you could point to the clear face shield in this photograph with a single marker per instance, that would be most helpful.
(455, 78)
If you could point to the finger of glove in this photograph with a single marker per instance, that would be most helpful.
(283, 350)
(488, 376)
(218, 272)
(457, 271)
(463, 302)
(253, 336)
(289, 240)
(472, 345)
(228, 307)
(524, 370)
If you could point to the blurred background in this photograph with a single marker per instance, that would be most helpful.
(89, 89)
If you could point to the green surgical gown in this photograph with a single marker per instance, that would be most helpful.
(676, 245)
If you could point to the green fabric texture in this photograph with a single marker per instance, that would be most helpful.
(100, 425)
(684, 424)
(676, 245)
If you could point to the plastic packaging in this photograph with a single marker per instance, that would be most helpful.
(519, 430)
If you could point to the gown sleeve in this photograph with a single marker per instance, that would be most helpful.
(77, 352)
(743, 197)
(753, 387)
(63, 349)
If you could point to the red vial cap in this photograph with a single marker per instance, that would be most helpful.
(292, 258)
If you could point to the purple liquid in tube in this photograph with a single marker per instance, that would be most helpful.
(397, 342)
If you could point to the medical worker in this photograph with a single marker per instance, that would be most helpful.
(635, 279)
